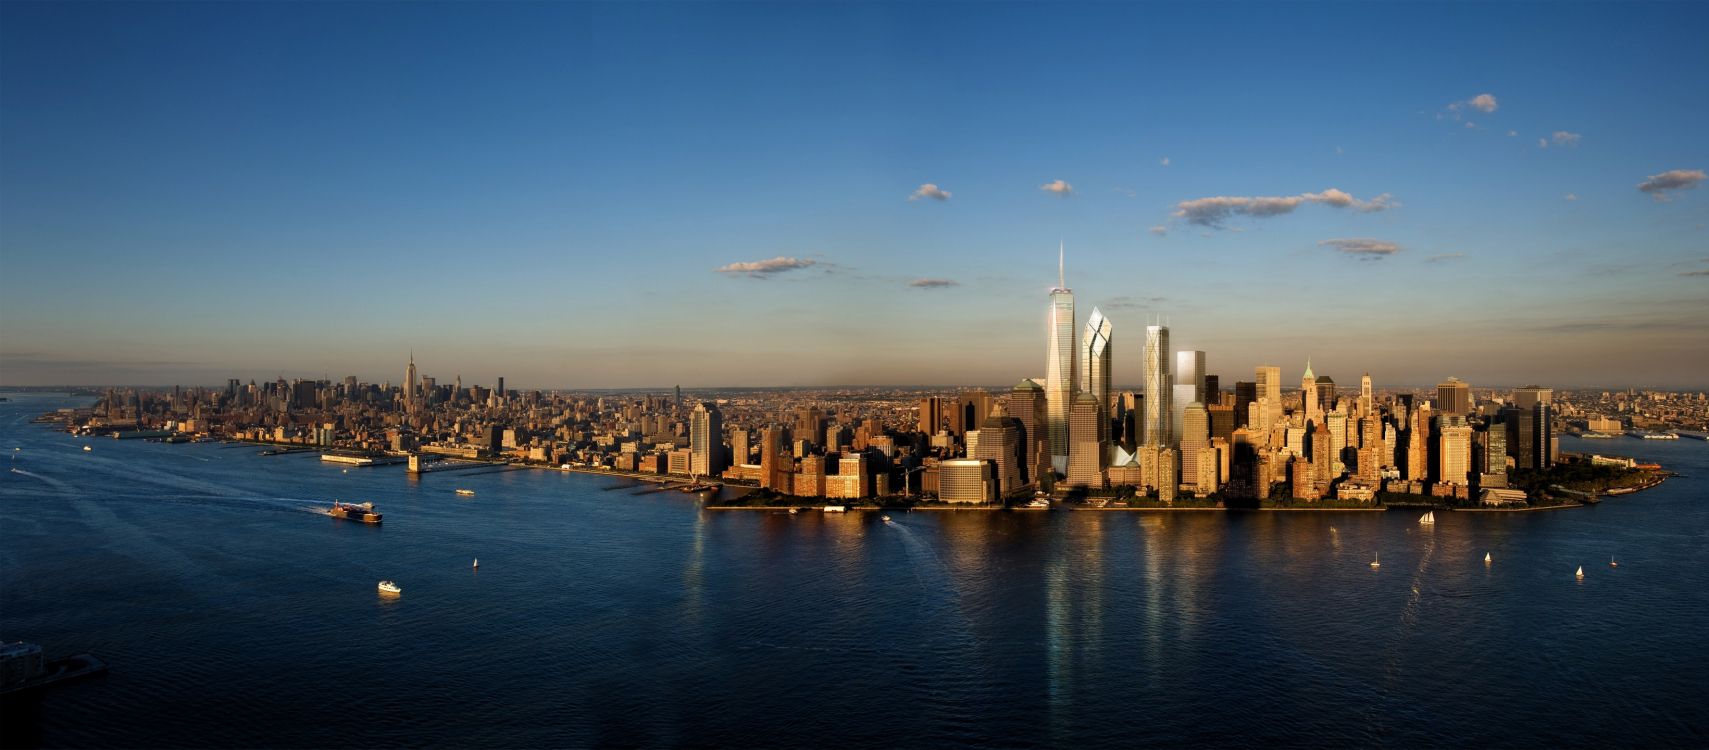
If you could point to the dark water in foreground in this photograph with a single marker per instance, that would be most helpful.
(233, 615)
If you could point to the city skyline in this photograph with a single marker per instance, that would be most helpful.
(598, 196)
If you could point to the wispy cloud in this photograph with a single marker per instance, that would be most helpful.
(1512, 133)
(1572, 196)
(1362, 248)
(1444, 257)
(1564, 138)
(1164, 161)
(1060, 187)
(759, 269)
(1702, 272)
(933, 283)
(1211, 212)
(1132, 303)
(1159, 230)
(1659, 185)
(930, 190)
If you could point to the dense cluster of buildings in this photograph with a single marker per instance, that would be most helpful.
(1071, 433)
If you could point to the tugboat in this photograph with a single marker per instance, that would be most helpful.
(353, 512)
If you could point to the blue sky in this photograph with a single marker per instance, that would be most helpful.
(547, 191)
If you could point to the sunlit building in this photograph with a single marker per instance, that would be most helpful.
(1059, 374)
(1154, 371)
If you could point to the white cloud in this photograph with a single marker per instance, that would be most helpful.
(1159, 230)
(929, 190)
(1060, 187)
(760, 269)
(1542, 143)
(1362, 248)
(933, 283)
(1444, 257)
(1164, 161)
(1512, 133)
(1572, 196)
(1211, 212)
(1563, 138)
(1658, 185)
(1484, 103)
(1471, 125)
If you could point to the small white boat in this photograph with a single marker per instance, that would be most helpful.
(793, 511)
(1486, 558)
(87, 448)
(835, 509)
(885, 519)
(1428, 519)
(1376, 560)
(461, 491)
(1581, 572)
(1612, 564)
(390, 588)
(477, 562)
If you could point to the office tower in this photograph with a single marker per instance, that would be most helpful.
(1336, 421)
(1454, 450)
(678, 401)
(1096, 358)
(1087, 449)
(967, 480)
(1531, 395)
(1269, 386)
(1212, 391)
(1322, 454)
(1000, 443)
(931, 415)
(1308, 395)
(969, 411)
(836, 436)
(1168, 477)
(1325, 393)
(1195, 437)
(1530, 434)
(809, 423)
(1221, 418)
(1454, 397)
(1158, 386)
(1366, 401)
(740, 446)
(771, 458)
(1132, 415)
(1245, 392)
(706, 440)
(1059, 374)
(409, 384)
(1188, 386)
(1026, 404)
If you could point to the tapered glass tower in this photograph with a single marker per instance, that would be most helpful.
(1059, 376)
(1158, 388)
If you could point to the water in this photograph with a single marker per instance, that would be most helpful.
(233, 615)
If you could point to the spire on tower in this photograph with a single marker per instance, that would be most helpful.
(1061, 279)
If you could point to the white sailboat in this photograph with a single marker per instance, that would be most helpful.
(1611, 562)
(1376, 560)
(1428, 519)
(1486, 558)
(1581, 572)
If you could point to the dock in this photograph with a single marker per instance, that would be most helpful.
(360, 460)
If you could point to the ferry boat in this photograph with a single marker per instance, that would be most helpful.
(363, 512)
(464, 492)
(1597, 436)
(1647, 435)
(390, 588)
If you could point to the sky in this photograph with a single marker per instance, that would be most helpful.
(588, 195)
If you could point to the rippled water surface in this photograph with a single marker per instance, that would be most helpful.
(233, 615)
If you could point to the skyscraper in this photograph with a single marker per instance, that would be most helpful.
(1000, 443)
(1158, 387)
(409, 384)
(1366, 403)
(1089, 449)
(1026, 404)
(1195, 436)
(1308, 395)
(1454, 397)
(1189, 387)
(1096, 357)
(1270, 387)
(706, 441)
(1059, 367)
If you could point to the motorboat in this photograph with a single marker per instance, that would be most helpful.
(464, 492)
(387, 587)
(1376, 560)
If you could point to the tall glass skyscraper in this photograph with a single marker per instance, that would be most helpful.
(1059, 373)
(1096, 360)
(1189, 380)
(1158, 387)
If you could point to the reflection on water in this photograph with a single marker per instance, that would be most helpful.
(203, 575)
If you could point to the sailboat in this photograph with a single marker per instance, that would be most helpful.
(1486, 558)
(1581, 572)
(1611, 562)
(1375, 560)
(477, 562)
(1428, 519)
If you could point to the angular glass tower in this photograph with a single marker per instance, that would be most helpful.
(1096, 359)
(1059, 373)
